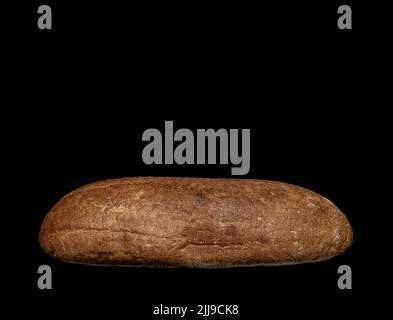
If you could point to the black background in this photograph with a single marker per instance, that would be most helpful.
(107, 72)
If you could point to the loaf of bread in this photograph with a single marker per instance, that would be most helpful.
(194, 222)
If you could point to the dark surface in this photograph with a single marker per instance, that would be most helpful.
(104, 75)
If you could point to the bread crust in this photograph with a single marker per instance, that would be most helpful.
(194, 222)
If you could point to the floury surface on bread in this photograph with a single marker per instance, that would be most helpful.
(194, 222)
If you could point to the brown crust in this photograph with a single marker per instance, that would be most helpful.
(194, 222)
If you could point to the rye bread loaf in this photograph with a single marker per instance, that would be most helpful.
(194, 222)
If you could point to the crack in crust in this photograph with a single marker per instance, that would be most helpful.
(183, 238)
